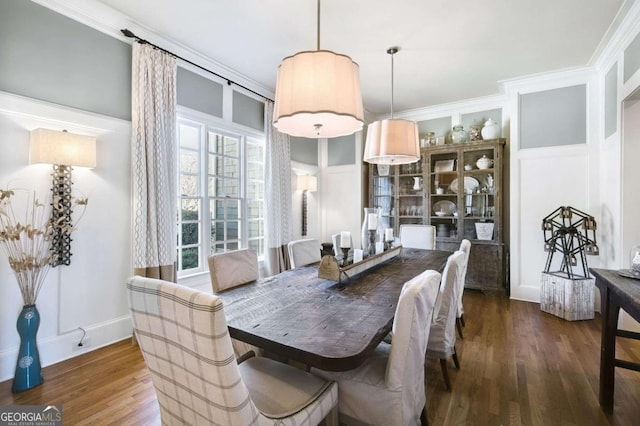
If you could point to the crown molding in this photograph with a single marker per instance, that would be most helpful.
(458, 107)
(623, 34)
(549, 80)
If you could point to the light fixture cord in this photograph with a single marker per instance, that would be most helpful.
(318, 18)
(392, 85)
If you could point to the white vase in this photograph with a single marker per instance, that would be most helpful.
(491, 130)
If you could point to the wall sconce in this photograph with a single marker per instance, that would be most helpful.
(63, 150)
(305, 183)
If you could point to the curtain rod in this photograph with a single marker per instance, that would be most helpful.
(130, 34)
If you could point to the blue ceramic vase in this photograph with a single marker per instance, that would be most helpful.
(28, 370)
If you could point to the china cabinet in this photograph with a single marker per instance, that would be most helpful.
(458, 189)
(464, 185)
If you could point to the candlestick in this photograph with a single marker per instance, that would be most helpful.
(388, 234)
(372, 242)
(345, 256)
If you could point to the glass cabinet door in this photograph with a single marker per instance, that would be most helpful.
(444, 194)
(479, 194)
(383, 195)
(410, 193)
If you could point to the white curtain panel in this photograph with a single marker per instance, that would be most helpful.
(277, 195)
(154, 162)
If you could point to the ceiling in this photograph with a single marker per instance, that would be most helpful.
(449, 50)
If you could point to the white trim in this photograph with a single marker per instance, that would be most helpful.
(549, 80)
(58, 348)
(444, 110)
(618, 42)
(230, 126)
(61, 115)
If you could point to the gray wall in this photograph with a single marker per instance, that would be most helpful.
(554, 117)
(440, 126)
(611, 101)
(47, 56)
(632, 58)
(479, 118)
(341, 150)
(199, 93)
(304, 150)
(248, 111)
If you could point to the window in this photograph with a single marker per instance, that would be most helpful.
(221, 192)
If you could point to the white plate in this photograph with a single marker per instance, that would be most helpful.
(469, 184)
(444, 206)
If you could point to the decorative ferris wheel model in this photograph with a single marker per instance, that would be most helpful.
(571, 234)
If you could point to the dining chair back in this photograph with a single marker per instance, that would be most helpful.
(418, 236)
(233, 268)
(185, 342)
(465, 247)
(303, 252)
(388, 388)
(442, 338)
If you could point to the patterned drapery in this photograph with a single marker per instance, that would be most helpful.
(154, 162)
(277, 196)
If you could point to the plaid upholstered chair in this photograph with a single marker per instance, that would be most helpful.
(442, 339)
(303, 252)
(232, 269)
(184, 338)
(388, 388)
(465, 247)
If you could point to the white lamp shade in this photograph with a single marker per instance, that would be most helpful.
(69, 149)
(306, 183)
(318, 88)
(392, 141)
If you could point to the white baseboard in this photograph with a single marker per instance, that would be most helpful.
(59, 348)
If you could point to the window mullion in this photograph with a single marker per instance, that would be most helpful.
(205, 236)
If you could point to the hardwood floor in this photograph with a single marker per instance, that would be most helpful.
(519, 366)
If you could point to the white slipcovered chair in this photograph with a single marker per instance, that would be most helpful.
(442, 338)
(418, 236)
(303, 252)
(185, 342)
(336, 240)
(388, 388)
(232, 269)
(465, 247)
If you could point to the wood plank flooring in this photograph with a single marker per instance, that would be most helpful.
(519, 366)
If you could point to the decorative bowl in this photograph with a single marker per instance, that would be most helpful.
(441, 213)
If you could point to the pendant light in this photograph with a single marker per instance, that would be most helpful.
(318, 94)
(392, 141)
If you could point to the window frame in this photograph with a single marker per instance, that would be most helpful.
(206, 124)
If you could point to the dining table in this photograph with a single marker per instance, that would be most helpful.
(321, 323)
